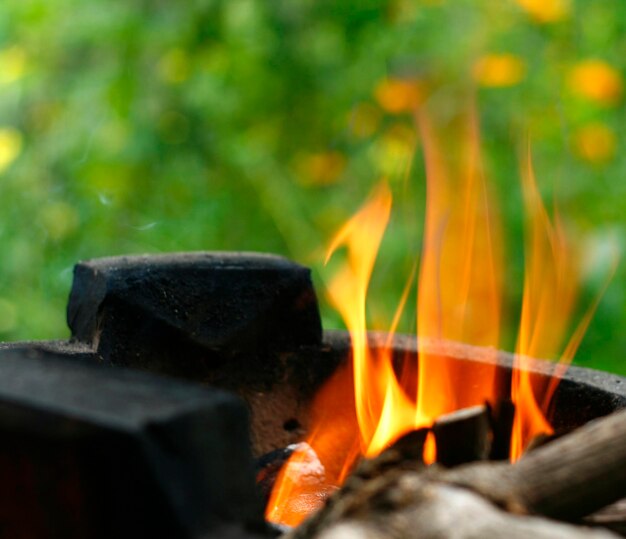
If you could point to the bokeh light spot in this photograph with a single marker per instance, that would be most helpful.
(597, 81)
(12, 64)
(546, 11)
(399, 95)
(595, 143)
(10, 146)
(499, 70)
(394, 150)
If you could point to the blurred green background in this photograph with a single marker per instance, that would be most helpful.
(134, 126)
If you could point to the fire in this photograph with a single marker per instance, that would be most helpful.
(373, 379)
(550, 289)
(372, 401)
(460, 275)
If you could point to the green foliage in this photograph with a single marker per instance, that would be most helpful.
(135, 126)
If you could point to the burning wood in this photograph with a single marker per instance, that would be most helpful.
(463, 436)
(568, 479)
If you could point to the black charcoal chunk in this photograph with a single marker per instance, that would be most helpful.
(87, 450)
(502, 417)
(187, 313)
(463, 436)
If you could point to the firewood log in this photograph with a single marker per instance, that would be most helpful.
(409, 505)
(569, 478)
(439, 511)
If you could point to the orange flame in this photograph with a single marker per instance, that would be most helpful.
(332, 408)
(459, 285)
(550, 290)
(347, 292)
(370, 402)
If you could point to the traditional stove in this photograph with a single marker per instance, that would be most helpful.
(182, 369)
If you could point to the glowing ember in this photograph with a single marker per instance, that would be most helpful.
(370, 403)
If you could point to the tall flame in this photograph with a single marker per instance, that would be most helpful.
(550, 289)
(336, 438)
(461, 270)
(371, 401)
(347, 292)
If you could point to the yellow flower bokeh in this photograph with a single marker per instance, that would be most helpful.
(11, 142)
(545, 11)
(396, 96)
(12, 64)
(595, 143)
(597, 81)
(499, 70)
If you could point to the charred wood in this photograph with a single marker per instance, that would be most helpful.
(406, 452)
(463, 436)
(502, 416)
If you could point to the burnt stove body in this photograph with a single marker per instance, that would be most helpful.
(181, 370)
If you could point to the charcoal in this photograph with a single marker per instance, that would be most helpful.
(268, 467)
(502, 416)
(87, 450)
(462, 436)
(410, 446)
(187, 314)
